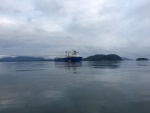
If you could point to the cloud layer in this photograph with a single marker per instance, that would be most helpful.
(50, 27)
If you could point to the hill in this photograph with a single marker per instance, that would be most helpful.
(98, 57)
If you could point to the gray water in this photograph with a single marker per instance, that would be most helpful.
(87, 87)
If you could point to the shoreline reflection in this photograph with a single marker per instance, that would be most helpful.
(104, 64)
(142, 63)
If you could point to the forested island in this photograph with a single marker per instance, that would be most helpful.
(142, 59)
(101, 57)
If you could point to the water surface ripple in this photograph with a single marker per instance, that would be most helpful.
(86, 87)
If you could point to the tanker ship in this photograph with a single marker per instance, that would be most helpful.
(72, 56)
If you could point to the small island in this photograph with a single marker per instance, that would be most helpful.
(142, 59)
(101, 57)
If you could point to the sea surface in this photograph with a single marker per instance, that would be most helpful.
(86, 87)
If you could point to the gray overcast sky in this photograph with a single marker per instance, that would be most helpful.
(50, 27)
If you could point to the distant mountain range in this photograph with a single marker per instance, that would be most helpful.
(23, 58)
(126, 59)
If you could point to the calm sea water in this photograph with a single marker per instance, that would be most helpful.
(87, 87)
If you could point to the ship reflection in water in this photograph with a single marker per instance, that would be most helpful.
(73, 66)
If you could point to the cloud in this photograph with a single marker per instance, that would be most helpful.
(44, 27)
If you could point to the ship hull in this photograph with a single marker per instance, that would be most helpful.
(69, 59)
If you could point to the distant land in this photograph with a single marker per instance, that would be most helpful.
(23, 58)
(142, 59)
(101, 57)
(126, 59)
(97, 57)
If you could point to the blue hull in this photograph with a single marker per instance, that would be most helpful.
(69, 59)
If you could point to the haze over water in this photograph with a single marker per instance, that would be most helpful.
(87, 87)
